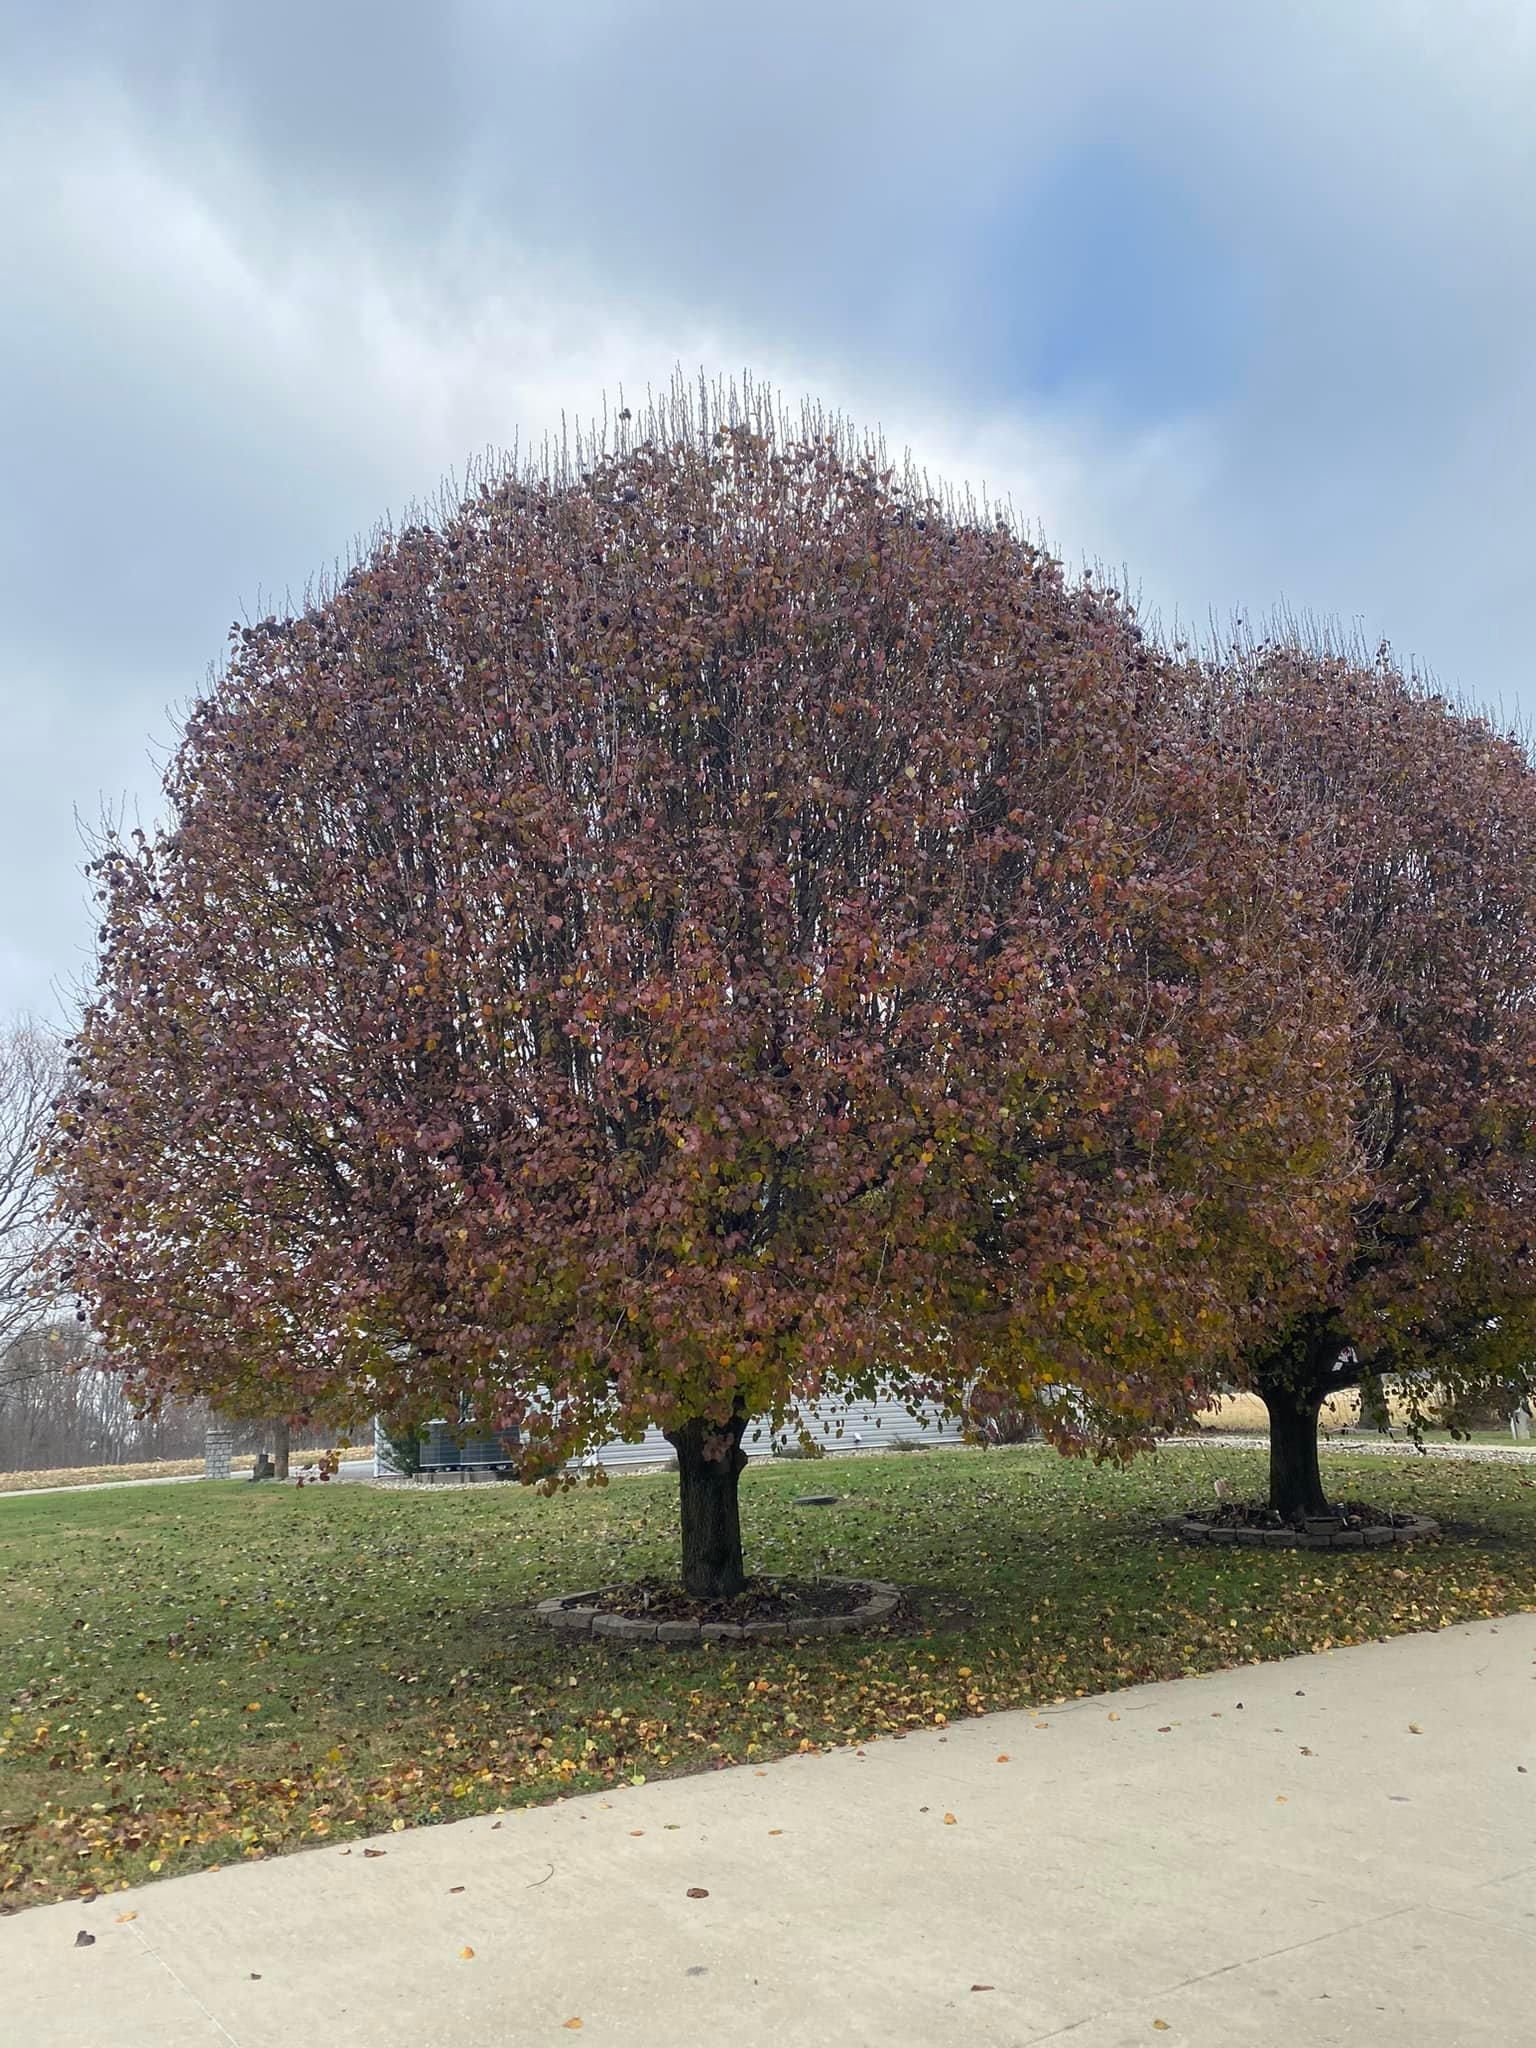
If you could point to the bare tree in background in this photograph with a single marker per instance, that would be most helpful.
(31, 1076)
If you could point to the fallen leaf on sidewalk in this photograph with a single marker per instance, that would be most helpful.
(775, 1831)
(1414, 1728)
(573, 2024)
(983, 1987)
(122, 1917)
(697, 1891)
(455, 1888)
(466, 1954)
(375, 1852)
(84, 1940)
(637, 1831)
(1161, 2026)
(950, 1821)
(1003, 1758)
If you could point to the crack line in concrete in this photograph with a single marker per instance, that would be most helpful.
(181, 1985)
(1226, 1969)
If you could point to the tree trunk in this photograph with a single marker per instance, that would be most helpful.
(1295, 1482)
(280, 1447)
(710, 1461)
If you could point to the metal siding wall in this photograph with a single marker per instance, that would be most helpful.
(865, 1426)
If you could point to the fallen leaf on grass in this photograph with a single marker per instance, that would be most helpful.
(697, 1891)
(397, 1827)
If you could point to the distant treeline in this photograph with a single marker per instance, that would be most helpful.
(59, 1409)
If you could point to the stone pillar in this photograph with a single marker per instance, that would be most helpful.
(218, 1444)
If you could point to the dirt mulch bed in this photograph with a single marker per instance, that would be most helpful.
(1250, 1514)
(655, 1599)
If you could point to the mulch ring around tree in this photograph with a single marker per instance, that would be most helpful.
(657, 1610)
(1348, 1525)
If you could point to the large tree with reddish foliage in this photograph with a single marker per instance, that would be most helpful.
(683, 933)
(1417, 823)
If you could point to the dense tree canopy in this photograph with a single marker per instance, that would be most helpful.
(682, 933)
(1418, 821)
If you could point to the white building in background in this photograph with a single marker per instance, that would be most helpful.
(858, 1426)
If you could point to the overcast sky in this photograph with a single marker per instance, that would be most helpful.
(1239, 294)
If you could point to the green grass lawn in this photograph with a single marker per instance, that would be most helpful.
(193, 1674)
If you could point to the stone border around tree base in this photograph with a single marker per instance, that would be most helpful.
(578, 1614)
(1191, 1530)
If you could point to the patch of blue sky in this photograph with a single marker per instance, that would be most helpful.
(1110, 281)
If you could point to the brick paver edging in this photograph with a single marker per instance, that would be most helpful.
(1190, 1529)
(579, 1614)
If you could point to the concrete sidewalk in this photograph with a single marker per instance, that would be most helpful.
(1340, 1849)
